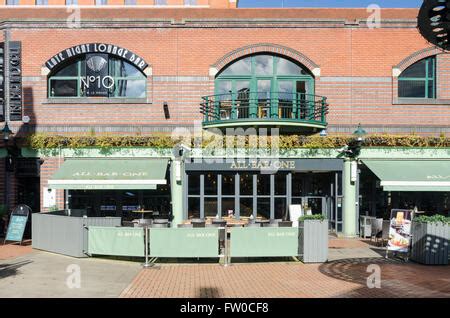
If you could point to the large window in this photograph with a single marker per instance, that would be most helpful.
(12, 2)
(97, 76)
(418, 80)
(71, 2)
(41, 2)
(248, 87)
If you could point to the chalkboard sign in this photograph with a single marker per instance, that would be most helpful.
(17, 223)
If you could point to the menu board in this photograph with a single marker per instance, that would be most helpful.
(400, 230)
(17, 223)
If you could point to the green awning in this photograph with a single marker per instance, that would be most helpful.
(110, 174)
(412, 175)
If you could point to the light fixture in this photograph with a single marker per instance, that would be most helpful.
(323, 133)
(6, 132)
(359, 133)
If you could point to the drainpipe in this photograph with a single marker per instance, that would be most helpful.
(176, 187)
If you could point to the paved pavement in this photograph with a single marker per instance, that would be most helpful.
(42, 274)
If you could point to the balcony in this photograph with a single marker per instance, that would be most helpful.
(291, 112)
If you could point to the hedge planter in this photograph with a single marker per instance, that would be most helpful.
(430, 243)
(313, 241)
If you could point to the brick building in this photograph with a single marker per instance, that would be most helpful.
(148, 68)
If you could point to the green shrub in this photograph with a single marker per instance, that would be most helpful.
(45, 141)
(432, 219)
(318, 217)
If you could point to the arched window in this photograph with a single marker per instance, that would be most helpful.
(97, 75)
(418, 80)
(263, 86)
(264, 74)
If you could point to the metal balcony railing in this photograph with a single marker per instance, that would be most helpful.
(264, 106)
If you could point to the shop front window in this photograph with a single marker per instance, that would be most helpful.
(97, 75)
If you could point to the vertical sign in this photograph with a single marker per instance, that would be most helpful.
(15, 80)
(2, 83)
(400, 230)
(97, 81)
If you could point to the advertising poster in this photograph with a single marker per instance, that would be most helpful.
(400, 230)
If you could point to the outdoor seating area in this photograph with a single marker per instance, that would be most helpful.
(233, 222)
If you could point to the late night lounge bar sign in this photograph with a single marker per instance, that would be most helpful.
(15, 80)
(103, 48)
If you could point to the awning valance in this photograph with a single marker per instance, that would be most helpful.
(411, 175)
(110, 174)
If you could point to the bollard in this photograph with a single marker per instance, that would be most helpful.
(146, 264)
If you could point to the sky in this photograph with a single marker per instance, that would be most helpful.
(329, 3)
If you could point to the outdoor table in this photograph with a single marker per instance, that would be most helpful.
(143, 212)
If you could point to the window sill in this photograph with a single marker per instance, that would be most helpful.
(95, 100)
(421, 101)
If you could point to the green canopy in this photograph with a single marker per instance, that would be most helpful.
(110, 174)
(411, 175)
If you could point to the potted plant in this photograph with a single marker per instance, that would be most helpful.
(430, 239)
(313, 238)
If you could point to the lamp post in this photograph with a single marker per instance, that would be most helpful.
(350, 183)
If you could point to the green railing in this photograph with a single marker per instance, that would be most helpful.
(264, 106)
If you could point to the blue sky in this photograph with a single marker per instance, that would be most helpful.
(330, 3)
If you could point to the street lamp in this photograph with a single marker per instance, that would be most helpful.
(359, 133)
(323, 133)
(6, 133)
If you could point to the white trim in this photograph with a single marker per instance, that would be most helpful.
(107, 182)
(416, 183)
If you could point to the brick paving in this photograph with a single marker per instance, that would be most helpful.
(344, 276)
(13, 250)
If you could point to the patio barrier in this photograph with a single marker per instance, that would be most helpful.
(62, 233)
(117, 241)
(184, 242)
(169, 242)
(264, 242)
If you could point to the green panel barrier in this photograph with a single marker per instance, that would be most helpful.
(118, 241)
(184, 242)
(264, 242)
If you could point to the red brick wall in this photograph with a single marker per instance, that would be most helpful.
(181, 53)
(48, 168)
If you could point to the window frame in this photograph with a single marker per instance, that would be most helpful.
(253, 77)
(112, 95)
(427, 79)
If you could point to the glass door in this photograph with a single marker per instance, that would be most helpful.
(286, 99)
(241, 103)
(263, 91)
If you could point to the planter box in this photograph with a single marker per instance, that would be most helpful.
(313, 241)
(57, 232)
(430, 243)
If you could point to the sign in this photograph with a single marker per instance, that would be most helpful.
(110, 49)
(266, 164)
(49, 197)
(400, 230)
(264, 242)
(118, 241)
(184, 242)
(17, 223)
(15, 80)
(97, 82)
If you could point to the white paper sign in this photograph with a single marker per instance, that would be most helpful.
(49, 197)
(295, 211)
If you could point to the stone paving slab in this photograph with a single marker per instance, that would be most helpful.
(42, 274)
(13, 250)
